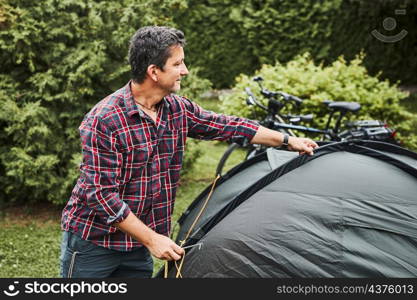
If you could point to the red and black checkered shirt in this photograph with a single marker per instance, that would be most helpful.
(131, 163)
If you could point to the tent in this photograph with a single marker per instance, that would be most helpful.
(350, 211)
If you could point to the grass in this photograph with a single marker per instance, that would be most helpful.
(29, 242)
(30, 235)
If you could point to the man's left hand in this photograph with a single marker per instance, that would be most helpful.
(302, 145)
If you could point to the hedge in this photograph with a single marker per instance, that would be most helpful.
(227, 38)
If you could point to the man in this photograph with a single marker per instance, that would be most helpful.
(120, 210)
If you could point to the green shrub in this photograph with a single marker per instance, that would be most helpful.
(340, 81)
(59, 58)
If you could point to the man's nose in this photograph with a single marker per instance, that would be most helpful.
(184, 70)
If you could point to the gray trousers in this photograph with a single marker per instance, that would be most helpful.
(83, 259)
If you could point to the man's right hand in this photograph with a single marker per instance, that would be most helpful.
(159, 245)
(163, 247)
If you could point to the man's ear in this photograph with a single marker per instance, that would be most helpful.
(152, 72)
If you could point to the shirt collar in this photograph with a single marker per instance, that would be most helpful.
(130, 103)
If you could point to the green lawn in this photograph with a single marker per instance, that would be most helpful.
(29, 242)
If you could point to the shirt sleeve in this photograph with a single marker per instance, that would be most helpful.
(101, 169)
(204, 124)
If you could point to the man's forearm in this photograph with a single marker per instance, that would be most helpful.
(136, 229)
(268, 137)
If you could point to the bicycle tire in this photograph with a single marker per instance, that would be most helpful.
(232, 147)
(252, 152)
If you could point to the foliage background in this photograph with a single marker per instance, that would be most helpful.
(59, 58)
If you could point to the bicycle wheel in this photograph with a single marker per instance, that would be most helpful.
(232, 147)
(255, 150)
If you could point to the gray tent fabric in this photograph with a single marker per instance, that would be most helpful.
(223, 194)
(348, 211)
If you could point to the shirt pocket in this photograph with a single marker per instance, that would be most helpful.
(134, 162)
(170, 143)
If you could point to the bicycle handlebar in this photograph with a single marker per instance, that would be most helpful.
(289, 97)
(270, 95)
(251, 100)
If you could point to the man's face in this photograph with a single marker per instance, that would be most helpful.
(169, 79)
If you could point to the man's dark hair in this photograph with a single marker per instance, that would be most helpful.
(151, 45)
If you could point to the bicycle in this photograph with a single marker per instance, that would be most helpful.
(368, 129)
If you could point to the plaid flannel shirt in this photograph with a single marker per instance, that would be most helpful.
(132, 164)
